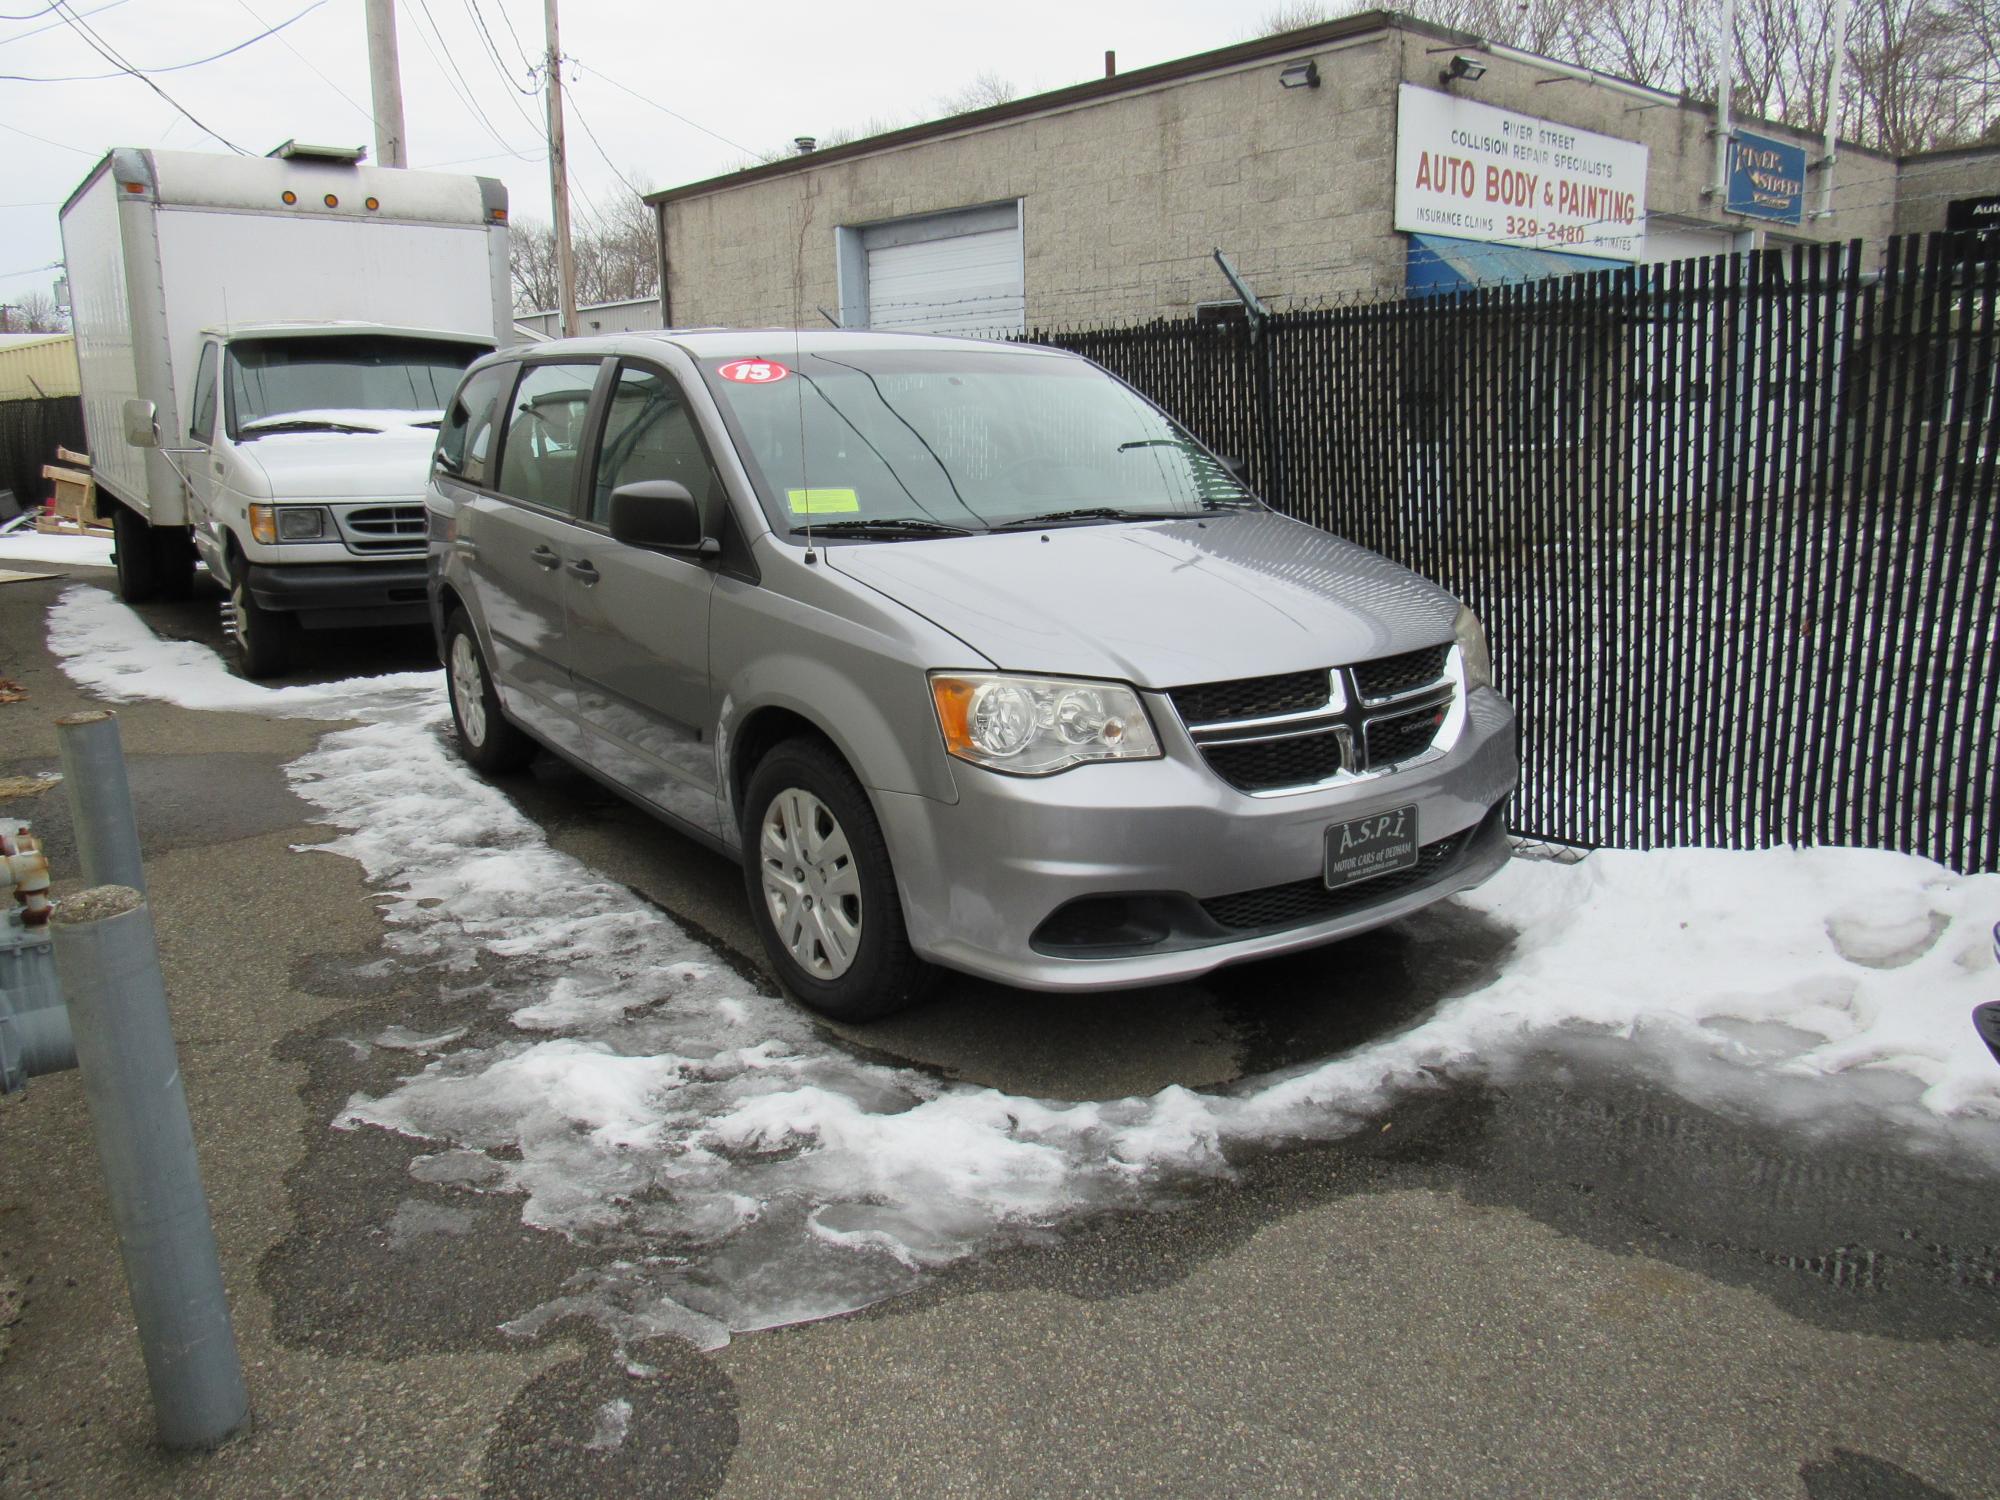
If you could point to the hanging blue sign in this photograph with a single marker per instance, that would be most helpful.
(1767, 178)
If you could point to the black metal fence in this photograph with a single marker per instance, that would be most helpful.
(1731, 524)
(29, 434)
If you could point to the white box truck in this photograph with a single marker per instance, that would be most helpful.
(266, 346)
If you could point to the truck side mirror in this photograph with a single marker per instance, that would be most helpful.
(142, 427)
(661, 515)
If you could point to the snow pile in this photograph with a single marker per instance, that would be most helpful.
(111, 651)
(738, 1171)
(49, 548)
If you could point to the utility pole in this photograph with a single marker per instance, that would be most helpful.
(559, 178)
(1725, 74)
(386, 77)
(1835, 81)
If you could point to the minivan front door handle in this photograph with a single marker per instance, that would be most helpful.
(585, 570)
(545, 557)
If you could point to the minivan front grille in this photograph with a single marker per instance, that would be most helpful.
(1393, 676)
(1269, 735)
(1294, 760)
(384, 528)
(1251, 697)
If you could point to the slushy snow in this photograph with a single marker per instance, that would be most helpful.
(738, 1171)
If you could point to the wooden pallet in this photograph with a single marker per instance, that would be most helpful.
(64, 526)
(75, 489)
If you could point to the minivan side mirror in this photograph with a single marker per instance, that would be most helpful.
(142, 426)
(659, 514)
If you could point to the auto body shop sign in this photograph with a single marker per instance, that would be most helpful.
(1481, 173)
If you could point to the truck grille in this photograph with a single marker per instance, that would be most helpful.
(1298, 902)
(1266, 735)
(384, 528)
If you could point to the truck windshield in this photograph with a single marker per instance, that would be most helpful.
(337, 382)
(908, 444)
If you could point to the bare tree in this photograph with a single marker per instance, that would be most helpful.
(1920, 73)
(33, 312)
(614, 253)
(985, 91)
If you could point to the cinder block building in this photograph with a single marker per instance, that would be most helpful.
(1369, 156)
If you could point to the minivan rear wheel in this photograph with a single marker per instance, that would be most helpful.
(487, 738)
(822, 892)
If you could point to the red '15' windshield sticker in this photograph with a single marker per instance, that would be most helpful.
(752, 371)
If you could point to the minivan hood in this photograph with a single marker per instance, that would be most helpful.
(1162, 604)
(390, 465)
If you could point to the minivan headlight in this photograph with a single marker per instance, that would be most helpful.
(1035, 726)
(1472, 649)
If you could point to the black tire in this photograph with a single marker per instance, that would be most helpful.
(487, 738)
(262, 638)
(881, 973)
(135, 553)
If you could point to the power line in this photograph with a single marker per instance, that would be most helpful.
(695, 124)
(60, 146)
(527, 59)
(103, 49)
(359, 108)
(449, 67)
(30, 16)
(578, 111)
(170, 67)
(493, 51)
(22, 36)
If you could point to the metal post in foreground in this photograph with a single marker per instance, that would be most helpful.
(111, 977)
(100, 799)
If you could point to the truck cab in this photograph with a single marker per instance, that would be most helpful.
(306, 455)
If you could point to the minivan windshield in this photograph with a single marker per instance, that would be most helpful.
(341, 382)
(908, 444)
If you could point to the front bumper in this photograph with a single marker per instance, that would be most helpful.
(328, 596)
(979, 877)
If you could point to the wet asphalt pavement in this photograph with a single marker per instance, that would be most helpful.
(1567, 1280)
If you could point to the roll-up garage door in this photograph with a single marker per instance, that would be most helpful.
(961, 283)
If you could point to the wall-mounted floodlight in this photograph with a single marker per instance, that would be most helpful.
(1300, 75)
(1471, 69)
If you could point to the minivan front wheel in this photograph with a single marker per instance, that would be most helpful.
(822, 893)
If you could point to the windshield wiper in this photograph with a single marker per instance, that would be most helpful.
(299, 424)
(1093, 513)
(888, 526)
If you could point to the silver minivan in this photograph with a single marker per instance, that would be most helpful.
(971, 655)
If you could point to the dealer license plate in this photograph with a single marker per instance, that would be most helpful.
(1363, 848)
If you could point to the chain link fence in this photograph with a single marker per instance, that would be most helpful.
(1731, 523)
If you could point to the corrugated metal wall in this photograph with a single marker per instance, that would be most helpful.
(34, 371)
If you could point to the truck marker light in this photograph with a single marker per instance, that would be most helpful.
(331, 201)
(289, 196)
(133, 187)
(373, 204)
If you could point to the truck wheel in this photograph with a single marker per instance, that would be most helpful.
(133, 552)
(262, 637)
(487, 738)
(822, 893)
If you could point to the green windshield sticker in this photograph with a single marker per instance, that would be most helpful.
(823, 502)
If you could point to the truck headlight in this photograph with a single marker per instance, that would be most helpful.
(271, 524)
(1034, 726)
(1472, 649)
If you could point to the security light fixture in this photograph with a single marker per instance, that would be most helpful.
(1300, 75)
(1471, 69)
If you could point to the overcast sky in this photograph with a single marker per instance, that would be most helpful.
(749, 76)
